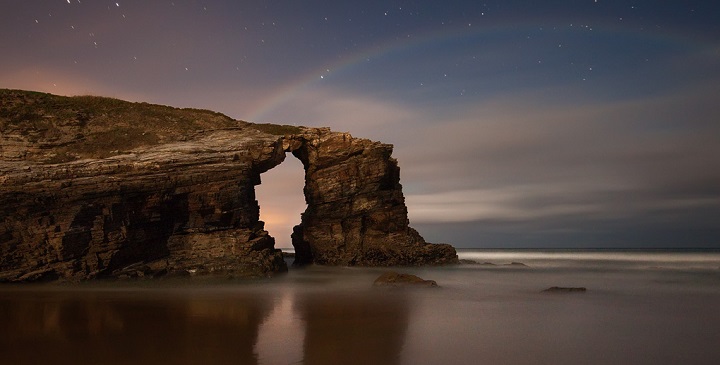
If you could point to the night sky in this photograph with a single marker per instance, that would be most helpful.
(575, 123)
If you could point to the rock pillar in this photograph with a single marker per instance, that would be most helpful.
(356, 212)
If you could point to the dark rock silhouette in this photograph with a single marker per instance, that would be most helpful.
(517, 264)
(398, 280)
(486, 263)
(559, 289)
(94, 187)
(356, 211)
(469, 262)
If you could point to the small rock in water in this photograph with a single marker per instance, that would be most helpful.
(487, 263)
(517, 264)
(395, 280)
(468, 262)
(559, 289)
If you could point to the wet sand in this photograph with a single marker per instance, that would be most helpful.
(655, 311)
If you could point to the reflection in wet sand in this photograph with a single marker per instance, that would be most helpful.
(108, 328)
(319, 315)
(201, 326)
(354, 328)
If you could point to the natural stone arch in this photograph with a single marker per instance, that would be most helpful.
(183, 202)
(356, 213)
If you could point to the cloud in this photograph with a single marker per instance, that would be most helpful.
(361, 115)
(35, 78)
(545, 202)
(515, 203)
(542, 160)
(549, 159)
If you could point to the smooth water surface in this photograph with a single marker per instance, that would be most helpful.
(639, 308)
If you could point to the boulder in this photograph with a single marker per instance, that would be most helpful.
(516, 264)
(395, 280)
(559, 289)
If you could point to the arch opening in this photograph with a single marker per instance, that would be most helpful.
(281, 200)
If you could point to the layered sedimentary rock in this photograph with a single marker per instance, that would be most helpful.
(97, 187)
(187, 206)
(356, 211)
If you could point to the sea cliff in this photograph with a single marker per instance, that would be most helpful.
(94, 187)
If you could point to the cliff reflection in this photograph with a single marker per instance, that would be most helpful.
(136, 327)
(353, 328)
(216, 325)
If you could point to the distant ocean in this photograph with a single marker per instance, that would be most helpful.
(598, 258)
(639, 307)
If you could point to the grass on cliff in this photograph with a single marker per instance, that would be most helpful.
(276, 129)
(70, 128)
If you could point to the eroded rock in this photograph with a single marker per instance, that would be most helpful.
(356, 211)
(189, 204)
(560, 289)
(397, 280)
(97, 187)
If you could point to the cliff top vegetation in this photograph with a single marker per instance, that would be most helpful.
(78, 127)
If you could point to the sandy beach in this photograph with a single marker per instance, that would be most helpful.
(639, 308)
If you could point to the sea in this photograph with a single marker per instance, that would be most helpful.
(638, 307)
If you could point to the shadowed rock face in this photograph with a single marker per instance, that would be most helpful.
(356, 211)
(183, 200)
(174, 208)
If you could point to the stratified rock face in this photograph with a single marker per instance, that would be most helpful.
(181, 202)
(97, 187)
(183, 207)
(356, 211)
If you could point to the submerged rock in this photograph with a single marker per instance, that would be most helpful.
(468, 262)
(559, 289)
(486, 263)
(517, 264)
(95, 187)
(394, 279)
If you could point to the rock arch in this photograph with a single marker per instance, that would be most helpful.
(183, 202)
(356, 213)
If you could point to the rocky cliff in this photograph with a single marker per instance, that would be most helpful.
(356, 211)
(94, 187)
